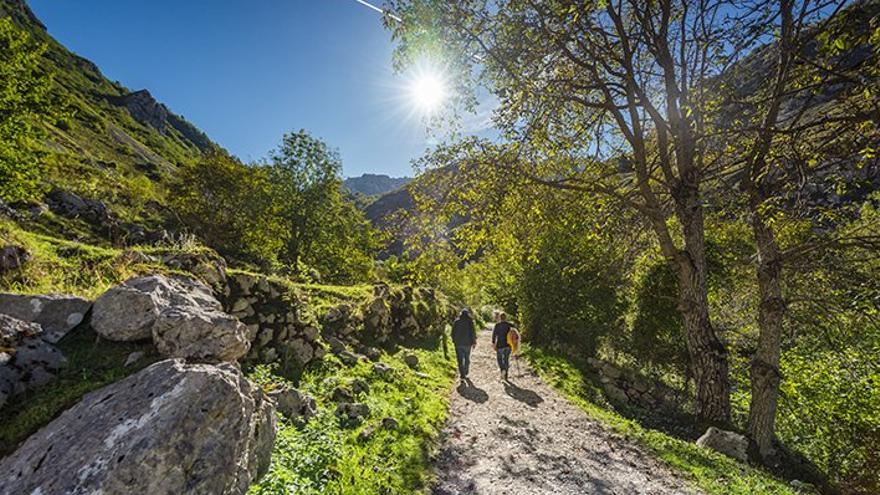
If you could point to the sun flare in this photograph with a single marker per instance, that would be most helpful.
(427, 90)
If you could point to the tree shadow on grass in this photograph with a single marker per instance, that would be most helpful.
(529, 397)
(469, 391)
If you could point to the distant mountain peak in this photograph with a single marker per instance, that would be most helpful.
(375, 184)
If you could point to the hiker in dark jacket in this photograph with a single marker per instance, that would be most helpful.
(464, 337)
(501, 344)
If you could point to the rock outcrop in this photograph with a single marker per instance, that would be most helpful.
(26, 360)
(171, 428)
(181, 315)
(56, 314)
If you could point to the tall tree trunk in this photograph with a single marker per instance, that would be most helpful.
(707, 352)
(765, 374)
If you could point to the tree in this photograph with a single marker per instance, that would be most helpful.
(229, 206)
(621, 82)
(24, 89)
(778, 141)
(305, 176)
(322, 228)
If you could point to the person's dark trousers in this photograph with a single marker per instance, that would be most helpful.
(503, 354)
(463, 356)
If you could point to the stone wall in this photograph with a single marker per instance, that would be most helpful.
(629, 388)
(280, 325)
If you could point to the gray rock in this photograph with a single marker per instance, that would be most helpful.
(198, 333)
(171, 428)
(180, 314)
(300, 351)
(342, 394)
(13, 257)
(366, 434)
(293, 404)
(336, 345)
(727, 442)
(372, 353)
(56, 314)
(349, 358)
(68, 204)
(128, 311)
(411, 360)
(26, 361)
(239, 306)
(352, 411)
(133, 358)
(382, 369)
(389, 423)
(359, 386)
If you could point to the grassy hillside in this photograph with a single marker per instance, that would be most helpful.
(107, 142)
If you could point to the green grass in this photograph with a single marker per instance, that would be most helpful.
(91, 365)
(327, 457)
(713, 473)
(78, 268)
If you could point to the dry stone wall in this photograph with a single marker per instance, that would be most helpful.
(280, 326)
(626, 387)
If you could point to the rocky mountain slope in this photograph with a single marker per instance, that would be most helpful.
(375, 184)
(108, 143)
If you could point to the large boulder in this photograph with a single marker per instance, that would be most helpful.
(181, 315)
(56, 314)
(199, 333)
(26, 360)
(727, 442)
(127, 312)
(171, 428)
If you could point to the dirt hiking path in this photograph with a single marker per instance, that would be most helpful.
(522, 438)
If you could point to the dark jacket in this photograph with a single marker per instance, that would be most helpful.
(499, 334)
(463, 332)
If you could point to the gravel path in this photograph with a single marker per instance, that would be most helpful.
(523, 438)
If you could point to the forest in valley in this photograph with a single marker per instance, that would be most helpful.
(687, 191)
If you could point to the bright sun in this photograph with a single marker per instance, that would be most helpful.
(427, 91)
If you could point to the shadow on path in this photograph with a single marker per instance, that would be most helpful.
(524, 395)
(472, 393)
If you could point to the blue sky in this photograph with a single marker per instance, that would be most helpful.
(245, 72)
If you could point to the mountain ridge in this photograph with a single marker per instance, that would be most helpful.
(375, 184)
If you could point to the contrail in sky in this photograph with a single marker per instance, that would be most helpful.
(379, 10)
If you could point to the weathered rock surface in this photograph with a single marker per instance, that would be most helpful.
(198, 332)
(127, 312)
(181, 316)
(56, 314)
(727, 442)
(68, 204)
(293, 404)
(172, 428)
(26, 360)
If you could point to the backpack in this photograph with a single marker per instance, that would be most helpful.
(513, 340)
